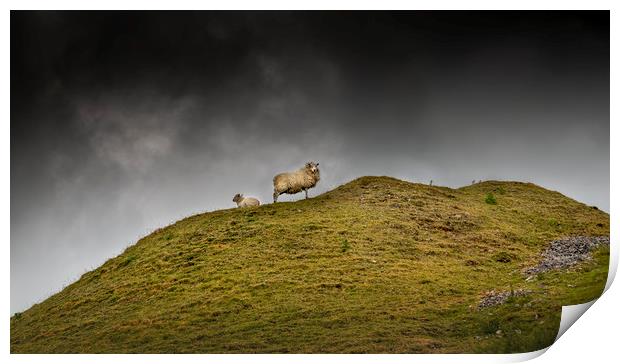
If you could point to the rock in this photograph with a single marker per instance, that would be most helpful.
(564, 253)
(493, 298)
(498, 332)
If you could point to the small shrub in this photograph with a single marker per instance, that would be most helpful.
(490, 199)
(344, 245)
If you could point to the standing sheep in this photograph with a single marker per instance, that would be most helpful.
(294, 182)
(245, 201)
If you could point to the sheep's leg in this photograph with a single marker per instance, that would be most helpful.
(275, 196)
(306, 191)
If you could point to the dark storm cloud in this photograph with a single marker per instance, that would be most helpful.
(122, 122)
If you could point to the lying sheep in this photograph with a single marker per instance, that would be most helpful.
(294, 182)
(245, 201)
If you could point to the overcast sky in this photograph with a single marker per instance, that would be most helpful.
(123, 122)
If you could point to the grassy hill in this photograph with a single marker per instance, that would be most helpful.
(377, 265)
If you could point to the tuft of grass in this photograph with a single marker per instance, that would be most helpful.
(275, 279)
(126, 261)
(503, 257)
(489, 327)
(490, 199)
(344, 245)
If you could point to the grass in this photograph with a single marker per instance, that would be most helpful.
(377, 265)
(490, 199)
(344, 245)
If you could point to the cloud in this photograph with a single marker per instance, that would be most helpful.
(132, 132)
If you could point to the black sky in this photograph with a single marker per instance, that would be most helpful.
(122, 122)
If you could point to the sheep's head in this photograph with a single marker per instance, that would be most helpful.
(238, 197)
(312, 167)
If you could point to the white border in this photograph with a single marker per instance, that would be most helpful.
(590, 340)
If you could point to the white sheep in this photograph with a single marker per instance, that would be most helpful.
(245, 201)
(294, 182)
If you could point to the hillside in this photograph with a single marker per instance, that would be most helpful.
(377, 265)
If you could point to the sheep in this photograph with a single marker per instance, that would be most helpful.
(245, 201)
(294, 182)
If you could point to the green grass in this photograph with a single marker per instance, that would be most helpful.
(490, 199)
(344, 246)
(377, 265)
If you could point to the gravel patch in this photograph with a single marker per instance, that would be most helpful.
(567, 252)
(562, 253)
(494, 298)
